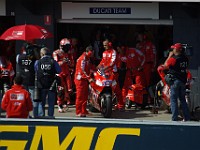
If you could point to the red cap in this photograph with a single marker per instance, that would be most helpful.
(177, 46)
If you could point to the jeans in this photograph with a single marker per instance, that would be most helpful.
(37, 106)
(1, 96)
(50, 96)
(178, 92)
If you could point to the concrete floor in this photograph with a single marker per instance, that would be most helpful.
(133, 113)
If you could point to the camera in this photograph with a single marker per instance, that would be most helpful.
(32, 49)
(187, 49)
(166, 53)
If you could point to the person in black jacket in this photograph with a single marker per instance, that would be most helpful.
(177, 63)
(25, 64)
(46, 69)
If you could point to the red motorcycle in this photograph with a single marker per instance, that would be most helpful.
(101, 92)
(162, 91)
(137, 95)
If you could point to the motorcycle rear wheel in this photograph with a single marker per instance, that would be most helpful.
(106, 105)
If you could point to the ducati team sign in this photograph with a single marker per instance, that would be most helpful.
(110, 10)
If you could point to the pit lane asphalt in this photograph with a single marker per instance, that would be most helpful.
(133, 113)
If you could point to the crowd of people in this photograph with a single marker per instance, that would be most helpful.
(58, 74)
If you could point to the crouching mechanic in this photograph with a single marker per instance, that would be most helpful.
(134, 60)
(81, 78)
(17, 101)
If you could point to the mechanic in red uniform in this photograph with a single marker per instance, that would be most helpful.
(81, 78)
(134, 74)
(73, 55)
(17, 101)
(6, 72)
(62, 57)
(108, 63)
(149, 51)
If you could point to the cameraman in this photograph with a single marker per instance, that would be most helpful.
(177, 63)
(25, 63)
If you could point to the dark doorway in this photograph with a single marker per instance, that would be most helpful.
(7, 48)
(161, 35)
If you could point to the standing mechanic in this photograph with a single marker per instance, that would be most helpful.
(177, 64)
(149, 51)
(108, 63)
(134, 69)
(81, 78)
(61, 56)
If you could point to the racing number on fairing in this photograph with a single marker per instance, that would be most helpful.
(5, 72)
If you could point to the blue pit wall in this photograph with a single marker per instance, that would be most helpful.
(97, 134)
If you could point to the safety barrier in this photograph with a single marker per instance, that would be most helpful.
(98, 134)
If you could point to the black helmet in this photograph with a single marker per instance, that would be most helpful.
(65, 44)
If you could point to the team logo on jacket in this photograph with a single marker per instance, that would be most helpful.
(106, 55)
(131, 55)
(14, 96)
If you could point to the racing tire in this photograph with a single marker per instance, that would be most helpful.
(106, 105)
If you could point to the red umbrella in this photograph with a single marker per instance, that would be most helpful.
(26, 32)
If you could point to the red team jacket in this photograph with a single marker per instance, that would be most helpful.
(17, 102)
(109, 60)
(83, 67)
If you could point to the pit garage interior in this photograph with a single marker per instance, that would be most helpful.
(124, 31)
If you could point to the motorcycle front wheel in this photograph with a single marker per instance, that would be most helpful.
(106, 105)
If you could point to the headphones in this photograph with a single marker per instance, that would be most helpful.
(110, 44)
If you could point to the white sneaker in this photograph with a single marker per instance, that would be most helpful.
(65, 107)
(60, 110)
